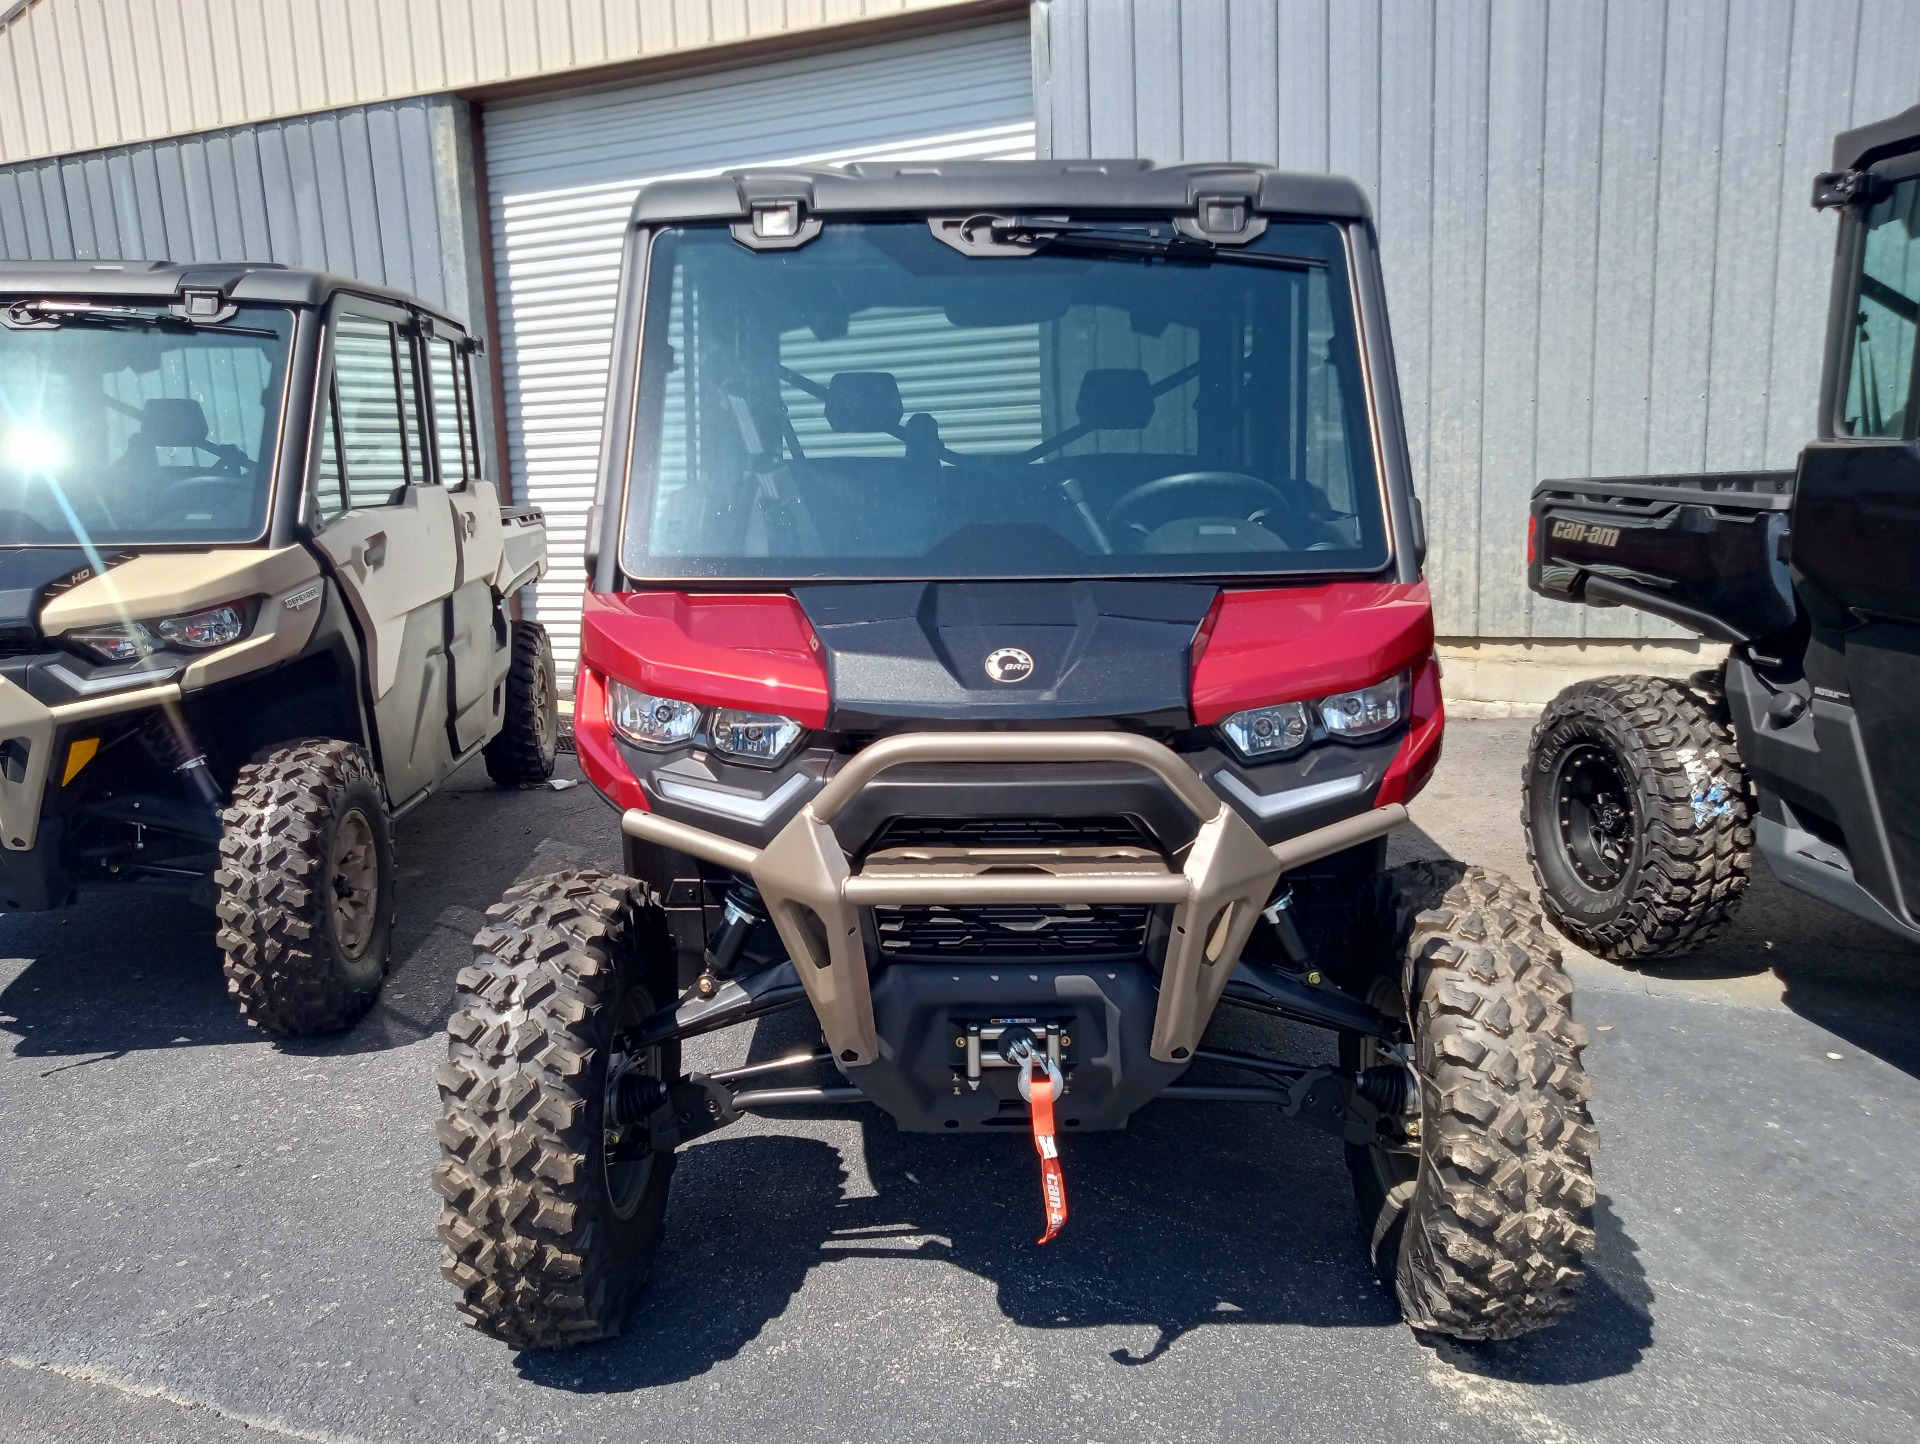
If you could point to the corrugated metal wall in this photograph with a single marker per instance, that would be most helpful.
(82, 74)
(1593, 214)
(562, 172)
(381, 192)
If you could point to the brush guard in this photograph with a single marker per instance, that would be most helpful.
(814, 892)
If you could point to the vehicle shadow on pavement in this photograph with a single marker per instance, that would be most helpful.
(1856, 981)
(1196, 1215)
(113, 975)
(1610, 1327)
(457, 853)
(116, 976)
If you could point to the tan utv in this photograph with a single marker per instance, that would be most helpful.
(255, 603)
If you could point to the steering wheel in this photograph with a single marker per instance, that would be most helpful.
(207, 488)
(1252, 491)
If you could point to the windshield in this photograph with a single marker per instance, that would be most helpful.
(138, 428)
(876, 404)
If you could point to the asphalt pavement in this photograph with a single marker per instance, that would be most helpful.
(205, 1235)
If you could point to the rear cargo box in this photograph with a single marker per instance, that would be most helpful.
(1708, 552)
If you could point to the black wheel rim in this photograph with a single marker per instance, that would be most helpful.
(627, 1156)
(1595, 812)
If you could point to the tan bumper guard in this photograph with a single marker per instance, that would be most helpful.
(815, 896)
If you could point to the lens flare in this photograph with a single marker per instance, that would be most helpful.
(34, 448)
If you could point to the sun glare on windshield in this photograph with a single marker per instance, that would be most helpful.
(31, 447)
(137, 431)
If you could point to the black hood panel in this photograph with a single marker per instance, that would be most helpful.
(1117, 650)
(27, 574)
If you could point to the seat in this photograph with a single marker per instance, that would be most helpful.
(863, 401)
(172, 421)
(872, 506)
(1118, 398)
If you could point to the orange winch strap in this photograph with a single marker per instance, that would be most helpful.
(1053, 1184)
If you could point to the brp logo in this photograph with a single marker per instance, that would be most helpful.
(1010, 664)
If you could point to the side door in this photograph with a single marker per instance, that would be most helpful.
(1855, 542)
(476, 634)
(383, 520)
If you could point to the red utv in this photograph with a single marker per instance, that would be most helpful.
(1006, 638)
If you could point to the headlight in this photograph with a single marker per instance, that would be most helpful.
(190, 631)
(755, 736)
(651, 721)
(1350, 716)
(121, 642)
(197, 631)
(648, 720)
(1261, 732)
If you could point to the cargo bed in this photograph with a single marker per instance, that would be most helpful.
(1706, 551)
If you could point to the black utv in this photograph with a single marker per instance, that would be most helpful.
(1645, 798)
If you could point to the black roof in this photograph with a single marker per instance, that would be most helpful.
(943, 187)
(133, 281)
(1858, 149)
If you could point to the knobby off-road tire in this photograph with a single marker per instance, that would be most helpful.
(1485, 1223)
(549, 1234)
(1638, 816)
(306, 886)
(529, 736)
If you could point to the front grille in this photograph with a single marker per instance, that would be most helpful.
(19, 641)
(1013, 832)
(1012, 930)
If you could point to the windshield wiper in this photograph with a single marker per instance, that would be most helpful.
(1133, 239)
(51, 315)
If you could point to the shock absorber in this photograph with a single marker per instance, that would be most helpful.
(1280, 916)
(167, 740)
(744, 911)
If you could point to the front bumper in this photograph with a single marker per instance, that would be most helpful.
(815, 892)
(32, 733)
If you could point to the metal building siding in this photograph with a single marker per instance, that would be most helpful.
(382, 192)
(562, 172)
(1593, 218)
(83, 75)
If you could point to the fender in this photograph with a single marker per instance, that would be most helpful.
(1289, 644)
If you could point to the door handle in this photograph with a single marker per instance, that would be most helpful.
(374, 550)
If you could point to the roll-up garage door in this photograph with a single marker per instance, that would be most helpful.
(562, 171)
